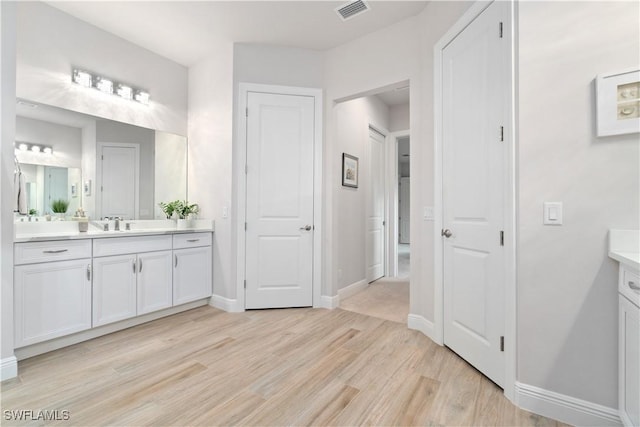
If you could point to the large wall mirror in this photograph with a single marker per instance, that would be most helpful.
(106, 167)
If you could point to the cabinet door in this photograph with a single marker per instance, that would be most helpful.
(154, 281)
(51, 300)
(191, 274)
(629, 363)
(114, 288)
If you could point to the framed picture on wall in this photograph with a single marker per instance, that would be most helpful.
(618, 103)
(349, 170)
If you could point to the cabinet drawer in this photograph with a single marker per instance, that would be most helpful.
(629, 284)
(53, 250)
(130, 245)
(191, 240)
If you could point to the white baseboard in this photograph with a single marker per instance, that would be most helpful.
(226, 304)
(564, 408)
(352, 289)
(8, 368)
(421, 324)
(329, 302)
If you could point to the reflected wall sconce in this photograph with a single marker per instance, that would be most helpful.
(109, 86)
(35, 148)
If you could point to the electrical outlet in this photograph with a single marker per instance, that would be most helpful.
(428, 213)
(225, 212)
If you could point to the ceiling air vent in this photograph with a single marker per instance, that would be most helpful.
(351, 9)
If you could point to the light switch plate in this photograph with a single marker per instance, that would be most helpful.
(225, 212)
(428, 214)
(552, 213)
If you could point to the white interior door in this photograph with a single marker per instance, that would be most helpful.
(119, 180)
(473, 194)
(279, 206)
(405, 218)
(55, 185)
(375, 207)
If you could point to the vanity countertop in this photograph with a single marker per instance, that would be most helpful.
(69, 231)
(624, 247)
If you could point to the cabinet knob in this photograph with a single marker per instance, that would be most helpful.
(89, 272)
(634, 286)
(176, 258)
(133, 263)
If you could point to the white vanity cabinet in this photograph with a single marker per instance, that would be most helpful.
(191, 267)
(629, 346)
(132, 276)
(52, 290)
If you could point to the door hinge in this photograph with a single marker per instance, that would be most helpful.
(501, 133)
(102, 157)
(501, 238)
(246, 112)
(245, 226)
(245, 283)
(101, 188)
(384, 223)
(501, 343)
(501, 29)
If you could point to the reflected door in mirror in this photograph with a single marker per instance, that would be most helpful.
(120, 175)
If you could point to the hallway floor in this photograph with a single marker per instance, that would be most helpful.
(386, 298)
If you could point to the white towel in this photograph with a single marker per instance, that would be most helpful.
(20, 193)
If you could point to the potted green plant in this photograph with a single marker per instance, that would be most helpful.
(168, 208)
(185, 212)
(59, 207)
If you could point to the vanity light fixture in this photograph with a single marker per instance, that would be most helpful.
(35, 148)
(109, 86)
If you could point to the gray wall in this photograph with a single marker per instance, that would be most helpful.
(567, 297)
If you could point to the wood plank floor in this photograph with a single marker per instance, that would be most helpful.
(267, 367)
(387, 298)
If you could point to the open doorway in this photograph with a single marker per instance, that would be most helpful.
(404, 207)
(371, 128)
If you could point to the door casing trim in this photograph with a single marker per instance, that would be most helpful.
(510, 185)
(241, 180)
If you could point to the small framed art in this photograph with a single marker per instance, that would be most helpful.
(618, 103)
(349, 171)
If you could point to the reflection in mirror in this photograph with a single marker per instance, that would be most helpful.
(44, 184)
(114, 169)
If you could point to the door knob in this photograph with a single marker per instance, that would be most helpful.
(447, 233)
(306, 228)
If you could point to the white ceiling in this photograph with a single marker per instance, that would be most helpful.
(186, 31)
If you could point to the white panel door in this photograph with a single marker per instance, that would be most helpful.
(155, 278)
(473, 192)
(405, 216)
(279, 237)
(375, 235)
(114, 288)
(55, 185)
(119, 180)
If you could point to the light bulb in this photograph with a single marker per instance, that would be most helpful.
(48, 150)
(82, 78)
(35, 148)
(142, 97)
(125, 92)
(23, 147)
(105, 85)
